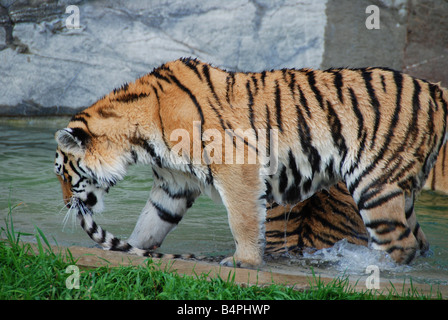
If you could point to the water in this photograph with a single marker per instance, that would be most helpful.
(27, 182)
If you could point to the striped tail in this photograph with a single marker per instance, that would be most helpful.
(109, 242)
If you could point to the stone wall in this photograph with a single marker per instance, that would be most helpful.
(47, 68)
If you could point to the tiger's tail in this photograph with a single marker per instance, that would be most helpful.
(109, 242)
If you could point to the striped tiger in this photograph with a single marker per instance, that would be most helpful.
(331, 216)
(376, 129)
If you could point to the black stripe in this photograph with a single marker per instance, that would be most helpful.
(230, 81)
(131, 97)
(283, 180)
(416, 230)
(92, 230)
(150, 149)
(415, 110)
(382, 242)
(106, 112)
(404, 234)
(304, 101)
(292, 84)
(408, 213)
(192, 97)
(312, 83)
(379, 201)
(367, 76)
(209, 178)
(263, 78)
(114, 244)
(337, 81)
(156, 93)
(306, 141)
(250, 105)
(79, 118)
(383, 83)
(165, 215)
(162, 127)
(206, 71)
(292, 194)
(385, 226)
(180, 194)
(103, 236)
(278, 106)
(402, 172)
(329, 225)
(255, 81)
(192, 64)
(357, 112)
(160, 86)
(156, 74)
(221, 120)
(134, 156)
(268, 133)
(293, 167)
(336, 131)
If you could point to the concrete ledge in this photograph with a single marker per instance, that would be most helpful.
(95, 257)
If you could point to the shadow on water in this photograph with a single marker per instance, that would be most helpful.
(26, 179)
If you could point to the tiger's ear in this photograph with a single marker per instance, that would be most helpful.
(72, 140)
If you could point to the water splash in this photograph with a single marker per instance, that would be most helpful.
(353, 259)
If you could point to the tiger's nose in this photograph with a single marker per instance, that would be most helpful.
(91, 200)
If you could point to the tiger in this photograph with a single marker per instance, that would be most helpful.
(438, 177)
(318, 222)
(330, 216)
(377, 130)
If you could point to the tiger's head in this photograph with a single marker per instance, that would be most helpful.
(86, 170)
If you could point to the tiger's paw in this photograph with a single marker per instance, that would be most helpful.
(234, 262)
(402, 255)
(402, 250)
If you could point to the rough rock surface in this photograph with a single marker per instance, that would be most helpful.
(47, 68)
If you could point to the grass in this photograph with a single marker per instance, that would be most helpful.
(27, 275)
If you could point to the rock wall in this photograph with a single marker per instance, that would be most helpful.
(48, 68)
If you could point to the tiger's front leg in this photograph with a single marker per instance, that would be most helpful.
(242, 194)
(164, 209)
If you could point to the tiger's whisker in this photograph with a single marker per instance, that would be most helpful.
(70, 215)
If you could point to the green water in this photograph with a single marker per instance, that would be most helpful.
(27, 181)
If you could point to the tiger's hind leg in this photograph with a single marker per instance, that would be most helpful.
(383, 213)
(413, 224)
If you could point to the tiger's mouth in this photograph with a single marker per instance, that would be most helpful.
(79, 206)
(90, 201)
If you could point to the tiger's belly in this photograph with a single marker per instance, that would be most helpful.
(292, 184)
